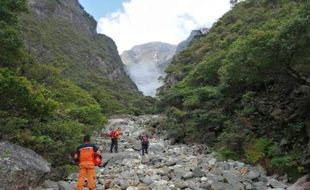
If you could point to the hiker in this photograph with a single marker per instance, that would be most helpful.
(115, 134)
(144, 143)
(85, 155)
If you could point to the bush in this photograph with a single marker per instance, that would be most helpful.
(257, 150)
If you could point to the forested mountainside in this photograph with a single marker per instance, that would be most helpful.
(59, 79)
(245, 87)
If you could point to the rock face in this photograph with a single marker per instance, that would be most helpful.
(20, 168)
(62, 33)
(145, 64)
(194, 35)
(157, 53)
(167, 166)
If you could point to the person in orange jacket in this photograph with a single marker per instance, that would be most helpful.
(115, 134)
(85, 154)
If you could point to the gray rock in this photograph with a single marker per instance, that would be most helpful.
(147, 180)
(276, 184)
(232, 178)
(171, 162)
(159, 185)
(181, 184)
(260, 185)
(301, 184)
(63, 185)
(21, 168)
(179, 171)
(247, 185)
(101, 181)
(237, 186)
(188, 175)
(74, 176)
(132, 188)
(221, 186)
(253, 174)
(50, 184)
(205, 185)
(164, 171)
(198, 172)
(124, 184)
(145, 159)
(156, 148)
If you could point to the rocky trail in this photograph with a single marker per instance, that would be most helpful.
(167, 166)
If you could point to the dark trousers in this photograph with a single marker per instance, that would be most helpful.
(113, 144)
(144, 149)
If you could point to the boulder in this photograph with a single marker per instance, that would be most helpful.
(63, 185)
(302, 183)
(21, 168)
(156, 148)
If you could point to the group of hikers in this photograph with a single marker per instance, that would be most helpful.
(88, 156)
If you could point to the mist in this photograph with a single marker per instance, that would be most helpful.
(146, 76)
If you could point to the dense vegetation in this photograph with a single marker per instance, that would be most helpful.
(50, 99)
(244, 87)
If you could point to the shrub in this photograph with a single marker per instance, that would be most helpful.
(257, 150)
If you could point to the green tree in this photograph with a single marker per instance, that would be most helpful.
(11, 45)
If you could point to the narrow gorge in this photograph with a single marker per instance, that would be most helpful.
(229, 112)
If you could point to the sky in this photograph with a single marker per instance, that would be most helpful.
(101, 8)
(135, 22)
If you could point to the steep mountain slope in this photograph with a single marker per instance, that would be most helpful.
(59, 79)
(244, 87)
(60, 32)
(195, 34)
(157, 53)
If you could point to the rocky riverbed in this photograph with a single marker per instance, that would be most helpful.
(167, 166)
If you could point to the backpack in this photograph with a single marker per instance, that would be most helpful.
(97, 159)
(145, 140)
(113, 135)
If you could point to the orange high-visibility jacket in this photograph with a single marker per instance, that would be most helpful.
(86, 153)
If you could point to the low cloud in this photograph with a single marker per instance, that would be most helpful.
(146, 77)
(142, 21)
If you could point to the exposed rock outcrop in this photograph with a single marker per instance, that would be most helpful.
(195, 34)
(145, 64)
(61, 32)
(20, 168)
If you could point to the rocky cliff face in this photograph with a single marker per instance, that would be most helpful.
(146, 63)
(195, 34)
(62, 33)
(157, 53)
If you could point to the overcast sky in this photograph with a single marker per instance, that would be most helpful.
(133, 22)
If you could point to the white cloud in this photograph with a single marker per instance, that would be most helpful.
(142, 21)
(146, 77)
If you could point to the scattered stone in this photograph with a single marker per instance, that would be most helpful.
(253, 174)
(169, 167)
(181, 184)
(276, 184)
(63, 185)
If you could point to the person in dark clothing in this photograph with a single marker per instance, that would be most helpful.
(144, 143)
(115, 134)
